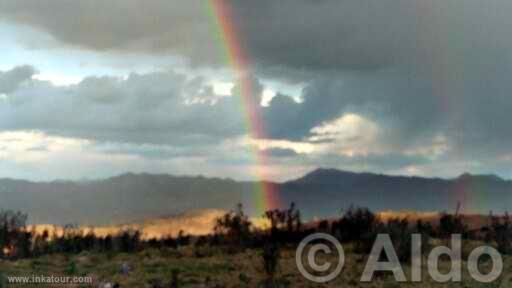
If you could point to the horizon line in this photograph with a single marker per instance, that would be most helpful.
(104, 178)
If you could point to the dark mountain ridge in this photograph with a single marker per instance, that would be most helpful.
(322, 192)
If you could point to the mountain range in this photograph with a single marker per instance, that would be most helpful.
(320, 193)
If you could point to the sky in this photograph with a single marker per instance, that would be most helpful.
(92, 88)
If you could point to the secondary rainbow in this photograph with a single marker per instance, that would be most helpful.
(235, 54)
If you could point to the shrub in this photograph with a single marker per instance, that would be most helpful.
(358, 225)
(502, 234)
(270, 256)
(451, 224)
(235, 226)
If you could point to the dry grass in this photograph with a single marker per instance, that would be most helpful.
(217, 268)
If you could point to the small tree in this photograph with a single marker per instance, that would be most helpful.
(293, 219)
(358, 225)
(236, 226)
(14, 240)
(129, 240)
(451, 224)
(502, 234)
(284, 223)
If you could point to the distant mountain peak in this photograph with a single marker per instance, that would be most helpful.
(490, 177)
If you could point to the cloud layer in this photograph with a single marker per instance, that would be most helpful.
(416, 87)
(149, 108)
(303, 34)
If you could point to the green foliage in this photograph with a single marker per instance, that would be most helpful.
(71, 269)
(175, 278)
(3, 280)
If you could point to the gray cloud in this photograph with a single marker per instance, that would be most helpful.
(10, 80)
(418, 69)
(151, 114)
(393, 98)
(120, 25)
(470, 112)
(280, 152)
(416, 66)
(301, 34)
(149, 108)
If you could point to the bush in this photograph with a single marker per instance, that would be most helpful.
(3, 280)
(235, 227)
(15, 242)
(451, 224)
(502, 234)
(400, 234)
(358, 225)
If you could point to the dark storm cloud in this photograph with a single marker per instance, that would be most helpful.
(121, 25)
(391, 97)
(473, 114)
(298, 35)
(418, 69)
(302, 34)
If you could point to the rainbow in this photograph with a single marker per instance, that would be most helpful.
(237, 58)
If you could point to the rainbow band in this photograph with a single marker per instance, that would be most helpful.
(266, 194)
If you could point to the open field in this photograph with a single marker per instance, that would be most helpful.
(212, 267)
(237, 252)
